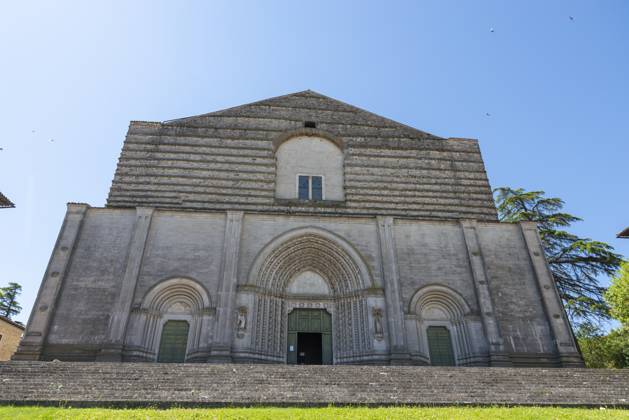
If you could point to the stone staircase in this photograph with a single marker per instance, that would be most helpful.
(162, 385)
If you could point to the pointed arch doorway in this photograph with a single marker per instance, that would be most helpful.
(309, 337)
(311, 268)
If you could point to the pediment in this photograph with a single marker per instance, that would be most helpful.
(293, 110)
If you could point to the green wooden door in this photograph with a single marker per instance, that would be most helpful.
(440, 346)
(310, 321)
(174, 341)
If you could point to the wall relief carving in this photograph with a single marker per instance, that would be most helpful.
(378, 329)
(241, 322)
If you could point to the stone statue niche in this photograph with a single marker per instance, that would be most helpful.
(377, 323)
(241, 322)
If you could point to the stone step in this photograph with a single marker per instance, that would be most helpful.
(147, 384)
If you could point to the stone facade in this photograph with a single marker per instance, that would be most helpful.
(10, 335)
(203, 224)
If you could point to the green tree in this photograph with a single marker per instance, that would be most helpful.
(604, 350)
(576, 263)
(610, 350)
(9, 305)
(618, 295)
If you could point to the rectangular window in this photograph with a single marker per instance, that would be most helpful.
(317, 188)
(304, 187)
(310, 187)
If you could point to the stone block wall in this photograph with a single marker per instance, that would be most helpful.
(226, 160)
(483, 280)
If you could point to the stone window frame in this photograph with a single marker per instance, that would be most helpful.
(307, 132)
(311, 132)
(310, 176)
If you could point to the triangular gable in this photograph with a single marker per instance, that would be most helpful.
(307, 101)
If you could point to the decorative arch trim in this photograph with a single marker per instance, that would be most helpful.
(454, 309)
(174, 298)
(314, 249)
(307, 132)
(441, 296)
(178, 289)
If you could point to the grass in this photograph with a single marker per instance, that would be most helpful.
(315, 413)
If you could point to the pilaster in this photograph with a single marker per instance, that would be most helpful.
(392, 293)
(36, 334)
(225, 308)
(566, 346)
(112, 350)
(497, 355)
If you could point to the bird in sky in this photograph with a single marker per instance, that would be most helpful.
(571, 17)
(487, 114)
(491, 29)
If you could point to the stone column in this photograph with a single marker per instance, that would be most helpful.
(566, 346)
(112, 350)
(226, 301)
(35, 336)
(392, 293)
(497, 355)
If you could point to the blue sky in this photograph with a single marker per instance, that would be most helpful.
(73, 74)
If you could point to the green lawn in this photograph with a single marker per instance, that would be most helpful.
(314, 413)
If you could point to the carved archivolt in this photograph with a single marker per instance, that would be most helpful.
(310, 249)
(176, 294)
(436, 305)
(338, 263)
(313, 253)
(431, 300)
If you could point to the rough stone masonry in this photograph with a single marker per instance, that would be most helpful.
(297, 229)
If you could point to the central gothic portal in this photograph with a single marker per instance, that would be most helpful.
(312, 301)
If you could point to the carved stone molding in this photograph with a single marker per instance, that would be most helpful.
(378, 328)
(336, 262)
(241, 321)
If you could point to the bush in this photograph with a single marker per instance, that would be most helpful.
(605, 351)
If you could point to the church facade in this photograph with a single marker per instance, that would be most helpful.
(298, 229)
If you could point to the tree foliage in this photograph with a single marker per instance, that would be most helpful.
(618, 295)
(576, 263)
(604, 350)
(9, 305)
(609, 350)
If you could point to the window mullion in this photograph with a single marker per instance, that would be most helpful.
(310, 188)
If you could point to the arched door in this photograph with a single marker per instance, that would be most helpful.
(174, 342)
(309, 337)
(440, 346)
